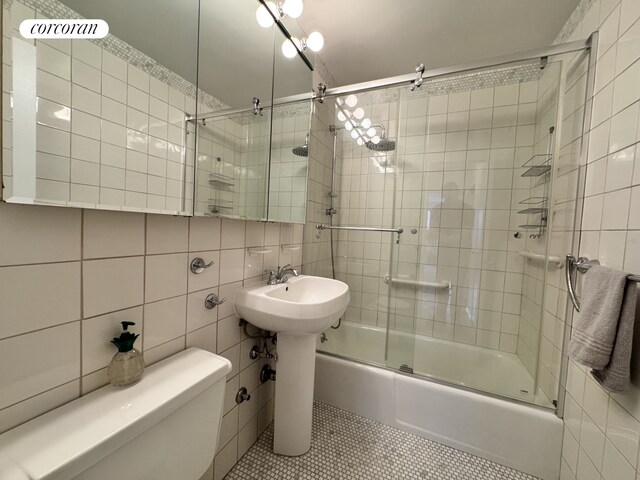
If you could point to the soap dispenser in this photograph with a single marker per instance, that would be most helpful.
(127, 365)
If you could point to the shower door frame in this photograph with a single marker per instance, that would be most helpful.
(589, 45)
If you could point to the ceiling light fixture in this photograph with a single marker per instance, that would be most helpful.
(290, 47)
(264, 18)
(315, 41)
(293, 8)
(267, 15)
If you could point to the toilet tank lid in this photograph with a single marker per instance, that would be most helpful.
(68, 440)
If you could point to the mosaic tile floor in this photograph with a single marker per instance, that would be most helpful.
(347, 446)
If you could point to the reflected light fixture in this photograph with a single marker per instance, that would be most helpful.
(351, 100)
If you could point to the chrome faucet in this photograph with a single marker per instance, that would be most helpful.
(282, 275)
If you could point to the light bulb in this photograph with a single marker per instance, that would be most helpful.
(348, 125)
(293, 8)
(264, 18)
(289, 49)
(359, 141)
(366, 123)
(376, 139)
(358, 113)
(354, 134)
(351, 100)
(315, 41)
(341, 116)
(371, 132)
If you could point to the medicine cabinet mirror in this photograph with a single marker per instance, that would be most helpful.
(146, 120)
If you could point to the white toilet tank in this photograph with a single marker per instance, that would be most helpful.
(165, 427)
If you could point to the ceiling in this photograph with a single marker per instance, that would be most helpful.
(365, 39)
(372, 39)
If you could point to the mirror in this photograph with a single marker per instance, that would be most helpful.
(101, 123)
(233, 138)
(246, 167)
(291, 124)
(148, 121)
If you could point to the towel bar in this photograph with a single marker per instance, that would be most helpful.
(582, 265)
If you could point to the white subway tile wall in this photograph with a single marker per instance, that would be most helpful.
(317, 247)
(288, 172)
(68, 278)
(601, 434)
(233, 165)
(457, 169)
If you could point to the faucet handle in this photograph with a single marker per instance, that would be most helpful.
(272, 276)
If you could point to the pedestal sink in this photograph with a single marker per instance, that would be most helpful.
(297, 310)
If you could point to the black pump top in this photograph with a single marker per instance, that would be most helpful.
(126, 339)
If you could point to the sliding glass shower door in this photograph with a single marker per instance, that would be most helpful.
(464, 165)
(473, 186)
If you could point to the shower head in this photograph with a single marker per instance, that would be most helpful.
(384, 145)
(302, 150)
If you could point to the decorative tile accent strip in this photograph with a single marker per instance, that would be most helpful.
(112, 44)
(458, 83)
(574, 20)
(495, 77)
(351, 447)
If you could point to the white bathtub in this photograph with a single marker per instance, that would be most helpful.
(523, 437)
(482, 369)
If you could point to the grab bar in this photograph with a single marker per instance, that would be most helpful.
(542, 258)
(415, 283)
(397, 231)
(582, 265)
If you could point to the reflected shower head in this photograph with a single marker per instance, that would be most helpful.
(384, 145)
(302, 150)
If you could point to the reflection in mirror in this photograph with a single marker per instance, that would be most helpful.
(290, 134)
(236, 54)
(289, 162)
(233, 165)
(101, 123)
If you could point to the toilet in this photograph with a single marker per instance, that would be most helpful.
(165, 427)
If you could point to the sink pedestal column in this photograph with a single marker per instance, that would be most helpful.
(295, 372)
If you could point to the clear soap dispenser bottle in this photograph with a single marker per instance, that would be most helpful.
(127, 365)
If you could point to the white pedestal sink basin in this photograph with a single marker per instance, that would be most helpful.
(297, 310)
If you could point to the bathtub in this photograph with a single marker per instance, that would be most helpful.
(521, 436)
